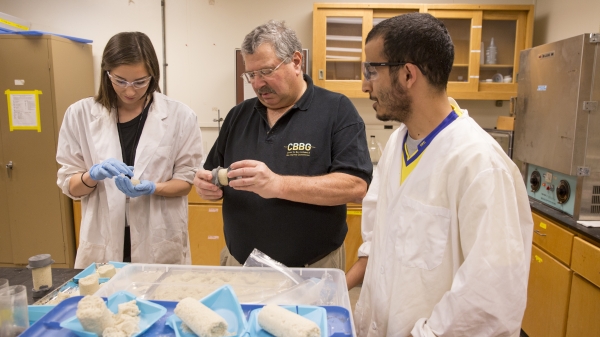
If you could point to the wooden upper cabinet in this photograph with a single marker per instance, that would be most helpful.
(339, 32)
(465, 30)
(339, 49)
(474, 75)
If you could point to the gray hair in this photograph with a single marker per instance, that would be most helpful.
(282, 39)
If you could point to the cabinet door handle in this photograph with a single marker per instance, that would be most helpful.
(9, 166)
(538, 232)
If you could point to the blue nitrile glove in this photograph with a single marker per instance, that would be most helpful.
(144, 187)
(109, 168)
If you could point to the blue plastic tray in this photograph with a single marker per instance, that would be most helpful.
(149, 313)
(92, 269)
(36, 312)
(315, 314)
(338, 320)
(224, 302)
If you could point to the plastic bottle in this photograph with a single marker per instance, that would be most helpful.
(374, 150)
(491, 53)
(41, 270)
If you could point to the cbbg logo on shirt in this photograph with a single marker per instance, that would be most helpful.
(298, 149)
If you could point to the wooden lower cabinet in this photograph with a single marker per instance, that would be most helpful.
(547, 296)
(77, 220)
(354, 237)
(552, 238)
(586, 260)
(584, 308)
(205, 227)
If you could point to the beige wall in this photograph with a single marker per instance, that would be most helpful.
(95, 20)
(559, 19)
(202, 36)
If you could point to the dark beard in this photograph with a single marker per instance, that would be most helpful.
(399, 103)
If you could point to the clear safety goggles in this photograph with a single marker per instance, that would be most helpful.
(139, 84)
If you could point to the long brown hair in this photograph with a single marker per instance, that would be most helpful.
(126, 48)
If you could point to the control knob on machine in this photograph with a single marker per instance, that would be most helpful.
(563, 192)
(535, 181)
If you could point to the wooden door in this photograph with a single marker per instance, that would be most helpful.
(464, 27)
(508, 29)
(586, 260)
(547, 296)
(354, 236)
(6, 255)
(338, 49)
(33, 197)
(205, 226)
(77, 220)
(584, 309)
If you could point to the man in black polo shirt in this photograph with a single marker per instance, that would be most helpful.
(297, 154)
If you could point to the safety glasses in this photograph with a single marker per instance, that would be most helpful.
(370, 72)
(139, 84)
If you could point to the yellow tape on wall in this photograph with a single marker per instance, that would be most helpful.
(14, 24)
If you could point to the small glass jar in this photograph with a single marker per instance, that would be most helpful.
(41, 272)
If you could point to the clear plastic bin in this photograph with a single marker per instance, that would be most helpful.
(251, 285)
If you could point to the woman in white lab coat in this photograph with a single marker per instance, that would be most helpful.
(130, 155)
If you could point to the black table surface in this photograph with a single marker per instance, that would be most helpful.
(22, 276)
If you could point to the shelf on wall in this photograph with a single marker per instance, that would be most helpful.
(334, 58)
(496, 66)
(343, 38)
(346, 21)
(344, 49)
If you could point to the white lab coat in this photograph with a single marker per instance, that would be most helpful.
(451, 246)
(170, 147)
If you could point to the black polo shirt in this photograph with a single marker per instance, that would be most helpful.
(322, 133)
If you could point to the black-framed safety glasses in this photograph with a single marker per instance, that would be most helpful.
(370, 72)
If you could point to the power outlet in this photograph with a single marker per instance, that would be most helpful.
(583, 171)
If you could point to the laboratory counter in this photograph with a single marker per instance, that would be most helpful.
(22, 276)
(591, 233)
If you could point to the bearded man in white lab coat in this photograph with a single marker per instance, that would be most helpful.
(451, 240)
(130, 130)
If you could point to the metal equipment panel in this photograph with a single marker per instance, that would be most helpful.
(554, 82)
(557, 127)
